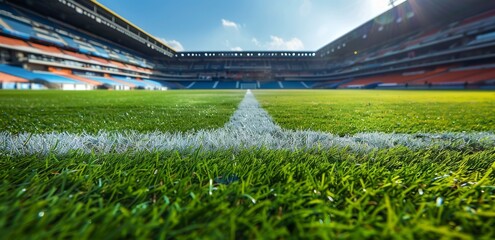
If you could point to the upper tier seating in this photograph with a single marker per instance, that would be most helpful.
(28, 26)
(67, 57)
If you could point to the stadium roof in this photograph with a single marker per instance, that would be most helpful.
(130, 23)
(93, 17)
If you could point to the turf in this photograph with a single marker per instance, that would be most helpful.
(355, 111)
(92, 111)
(335, 193)
(256, 194)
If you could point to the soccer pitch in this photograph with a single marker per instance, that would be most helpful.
(171, 111)
(190, 164)
(350, 112)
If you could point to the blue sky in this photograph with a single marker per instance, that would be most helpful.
(224, 25)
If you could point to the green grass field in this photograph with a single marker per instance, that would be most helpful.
(254, 194)
(251, 193)
(348, 112)
(171, 111)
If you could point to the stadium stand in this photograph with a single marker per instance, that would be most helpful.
(43, 36)
(201, 85)
(294, 85)
(46, 78)
(8, 81)
(417, 44)
(227, 85)
(270, 85)
(140, 84)
(108, 83)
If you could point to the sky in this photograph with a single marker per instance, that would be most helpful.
(248, 25)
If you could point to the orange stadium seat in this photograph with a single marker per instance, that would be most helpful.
(9, 78)
(487, 74)
(118, 64)
(13, 42)
(448, 77)
(101, 60)
(45, 48)
(393, 78)
(77, 55)
(68, 74)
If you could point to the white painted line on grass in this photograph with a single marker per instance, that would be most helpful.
(249, 127)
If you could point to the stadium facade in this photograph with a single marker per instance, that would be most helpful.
(81, 44)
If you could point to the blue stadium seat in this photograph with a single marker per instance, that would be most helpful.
(137, 83)
(310, 84)
(487, 37)
(153, 83)
(101, 52)
(36, 76)
(19, 29)
(103, 80)
(227, 85)
(172, 85)
(53, 78)
(70, 42)
(52, 38)
(269, 85)
(26, 31)
(184, 84)
(203, 85)
(293, 85)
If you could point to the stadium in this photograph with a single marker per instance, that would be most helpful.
(403, 51)
(387, 131)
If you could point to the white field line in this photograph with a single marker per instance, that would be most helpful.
(249, 127)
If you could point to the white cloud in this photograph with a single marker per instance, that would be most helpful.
(256, 42)
(237, 49)
(230, 24)
(278, 43)
(173, 44)
(305, 8)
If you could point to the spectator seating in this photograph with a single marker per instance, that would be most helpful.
(270, 85)
(293, 85)
(30, 27)
(202, 85)
(437, 77)
(228, 85)
(33, 76)
(11, 78)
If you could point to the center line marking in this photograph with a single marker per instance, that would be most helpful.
(250, 126)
